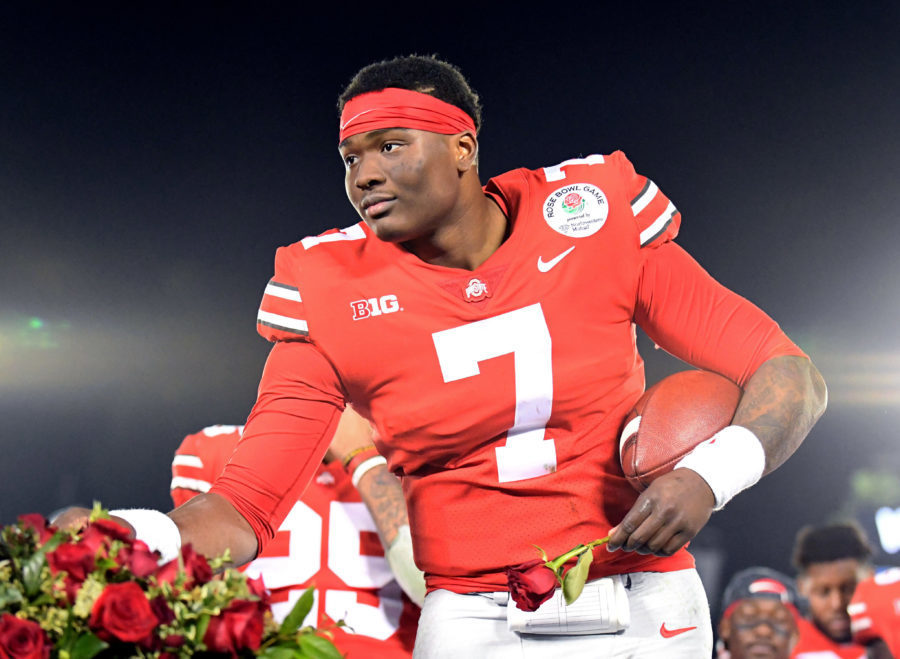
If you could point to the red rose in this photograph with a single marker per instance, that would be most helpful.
(196, 567)
(96, 540)
(239, 627)
(76, 560)
(258, 588)
(138, 558)
(37, 522)
(167, 572)
(161, 609)
(122, 611)
(22, 639)
(112, 529)
(531, 584)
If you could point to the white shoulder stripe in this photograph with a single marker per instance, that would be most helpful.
(354, 232)
(275, 320)
(280, 290)
(190, 484)
(220, 429)
(557, 172)
(640, 202)
(187, 461)
(659, 224)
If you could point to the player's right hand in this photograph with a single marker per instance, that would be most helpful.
(666, 516)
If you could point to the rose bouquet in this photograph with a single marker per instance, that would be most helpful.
(532, 583)
(96, 592)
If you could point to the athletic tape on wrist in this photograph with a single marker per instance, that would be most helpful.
(364, 467)
(400, 557)
(157, 529)
(730, 461)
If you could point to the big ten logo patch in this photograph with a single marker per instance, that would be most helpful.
(375, 306)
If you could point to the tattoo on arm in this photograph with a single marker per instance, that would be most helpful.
(383, 496)
(781, 403)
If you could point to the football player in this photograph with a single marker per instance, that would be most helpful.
(330, 539)
(487, 331)
(759, 616)
(875, 614)
(830, 561)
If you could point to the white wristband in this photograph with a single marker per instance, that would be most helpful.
(365, 466)
(157, 529)
(730, 461)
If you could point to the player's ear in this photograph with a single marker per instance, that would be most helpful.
(725, 630)
(465, 146)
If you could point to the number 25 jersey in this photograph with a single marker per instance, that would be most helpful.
(328, 540)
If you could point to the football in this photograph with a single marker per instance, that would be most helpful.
(670, 419)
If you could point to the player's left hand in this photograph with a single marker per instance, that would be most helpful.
(666, 515)
(75, 517)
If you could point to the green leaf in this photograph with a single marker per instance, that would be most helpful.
(301, 609)
(202, 626)
(317, 647)
(31, 573)
(543, 553)
(88, 646)
(9, 596)
(55, 541)
(280, 652)
(573, 583)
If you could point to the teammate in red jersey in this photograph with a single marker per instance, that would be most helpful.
(875, 614)
(830, 561)
(488, 333)
(329, 540)
(759, 618)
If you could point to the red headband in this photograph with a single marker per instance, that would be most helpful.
(402, 108)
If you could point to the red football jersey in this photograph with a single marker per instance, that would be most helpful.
(327, 540)
(813, 644)
(875, 610)
(498, 393)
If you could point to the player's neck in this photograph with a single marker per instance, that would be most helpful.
(466, 241)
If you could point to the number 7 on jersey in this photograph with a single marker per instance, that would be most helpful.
(523, 333)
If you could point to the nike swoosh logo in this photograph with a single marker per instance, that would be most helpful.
(669, 633)
(355, 116)
(546, 266)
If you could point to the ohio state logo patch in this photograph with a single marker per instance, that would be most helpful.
(476, 290)
(576, 210)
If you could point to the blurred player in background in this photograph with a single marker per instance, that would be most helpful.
(875, 614)
(830, 560)
(332, 538)
(759, 618)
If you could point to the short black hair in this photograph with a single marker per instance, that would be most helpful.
(421, 73)
(830, 542)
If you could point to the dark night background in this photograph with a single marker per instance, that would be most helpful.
(152, 159)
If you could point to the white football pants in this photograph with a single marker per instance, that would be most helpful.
(669, 620)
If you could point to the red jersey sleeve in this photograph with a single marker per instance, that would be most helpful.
(200, 459)
(689, 314)
(287, 433)
(656, 216)
(875, 610)
(282, 315)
